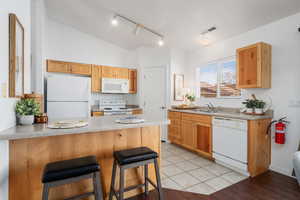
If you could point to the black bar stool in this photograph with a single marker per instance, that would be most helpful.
(69, 171)
(130, 158)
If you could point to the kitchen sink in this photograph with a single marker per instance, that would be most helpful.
(205, 110)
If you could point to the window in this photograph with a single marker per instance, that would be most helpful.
(218, 79)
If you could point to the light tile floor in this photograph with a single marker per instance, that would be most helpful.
(187, 171)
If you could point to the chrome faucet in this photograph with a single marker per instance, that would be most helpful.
(211, 107)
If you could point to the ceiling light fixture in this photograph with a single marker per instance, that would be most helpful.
(161, 42)
(115, 21)
(138, 27)
(205, 40)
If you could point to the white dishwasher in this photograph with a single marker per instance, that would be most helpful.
(230, 142)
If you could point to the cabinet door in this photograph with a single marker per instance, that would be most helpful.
(254, 66)
(58, 66)
(97, 114)
(203, 138)
(132, 81)
(96, 78)
(137, 112)
(188, 134)
(82, 69)
(107, 72)
(247, 67)
(121, 73)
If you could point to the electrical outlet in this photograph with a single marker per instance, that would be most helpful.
(4, 90)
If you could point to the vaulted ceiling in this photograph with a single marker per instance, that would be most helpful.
(180, 21)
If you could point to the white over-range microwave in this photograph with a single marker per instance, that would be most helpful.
(111, 85)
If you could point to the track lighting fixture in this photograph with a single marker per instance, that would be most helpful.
(138, 27)
(114, 21)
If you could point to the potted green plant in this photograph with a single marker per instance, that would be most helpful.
(190, 97)
(259, 106)
(250, 105)
(26, 109)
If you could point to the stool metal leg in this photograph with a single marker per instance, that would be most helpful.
(121, 190)
(97, 186)
(113, 178)
(45, 192)
(158, 182)
(146, 179)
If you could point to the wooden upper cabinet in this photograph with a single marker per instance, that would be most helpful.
(254, 66)
(122, 73)
(58, 66)
(82, 69)
(107, 72)
(115, 72)
(132, 81)
(96, 78)
(68, 67)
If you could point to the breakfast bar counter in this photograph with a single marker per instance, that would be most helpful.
(32, 147)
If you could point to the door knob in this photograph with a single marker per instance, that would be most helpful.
(163, 107)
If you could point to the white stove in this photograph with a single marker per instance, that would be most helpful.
(114, 107)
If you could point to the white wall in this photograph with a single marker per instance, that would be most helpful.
(285, 40)
(178, 66)
(66, 43)
(7, 114)
(22, 10)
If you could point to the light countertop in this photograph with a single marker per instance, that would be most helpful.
(96, 124)
(229, 113)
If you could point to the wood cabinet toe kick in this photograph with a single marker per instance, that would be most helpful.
(194, 132)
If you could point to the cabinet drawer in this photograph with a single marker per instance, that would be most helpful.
(174, 115)
(198, 118)
(175, 122)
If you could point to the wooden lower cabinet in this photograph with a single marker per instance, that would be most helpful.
(28, 157)
(191, 131)
(204, 138)
(188, 134)
(194, 132)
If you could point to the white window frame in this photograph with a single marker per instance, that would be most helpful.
(219, 79)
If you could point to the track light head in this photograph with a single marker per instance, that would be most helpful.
(115, 21)
(161, 42)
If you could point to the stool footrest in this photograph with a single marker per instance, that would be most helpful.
(81, 196)
(150, 181)
(134, 187)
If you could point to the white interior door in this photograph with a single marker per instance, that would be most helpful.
(154, 94)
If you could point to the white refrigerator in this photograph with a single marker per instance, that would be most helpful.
(68, 97)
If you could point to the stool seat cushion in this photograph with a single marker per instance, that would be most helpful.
(70, 168)
(134, 155)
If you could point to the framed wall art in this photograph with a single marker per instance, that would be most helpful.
(16, 57)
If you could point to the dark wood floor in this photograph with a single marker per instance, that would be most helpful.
(268, 186)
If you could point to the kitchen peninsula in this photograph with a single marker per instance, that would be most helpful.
(32, 147)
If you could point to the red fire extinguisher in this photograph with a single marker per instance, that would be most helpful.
(280, 130)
